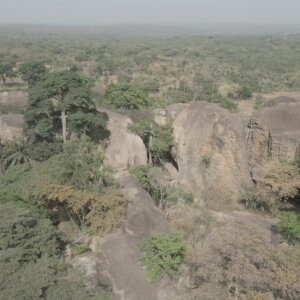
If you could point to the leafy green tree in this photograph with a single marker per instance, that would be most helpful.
(59, 96)
(6, 71)
(126, 96)
(68, 89)
(32, 72)
(29, 253)
(30, 261)
(163, 254)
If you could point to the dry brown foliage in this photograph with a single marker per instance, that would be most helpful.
(283, 179)
(236, 260)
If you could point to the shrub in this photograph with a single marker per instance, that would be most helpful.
(260, 199)
(149, 85)
(80, 249)
(153, 181)
(244, 92)
(229, 104)
(289, 226)
(163, 254)
(43, 150)
(280, 185)
(179, 95)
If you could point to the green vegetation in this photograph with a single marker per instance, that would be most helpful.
(30, 256)
(257, 199)
(244, 92)
(229, 104)
(127, 96)
(75, 181)
(151, 178)
(59, 96)
(6, 71)
(289, 226)
(55, 175)
(32, 72)
(14, 153)
(80, 249)
(157, 139)
(163, 255)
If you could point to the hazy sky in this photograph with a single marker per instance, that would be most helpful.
(149, 11)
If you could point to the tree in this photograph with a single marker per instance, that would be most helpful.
(32, 72)
(59, 96)
(6, 71)
(31, 259)
(126, 96)
(14, 153)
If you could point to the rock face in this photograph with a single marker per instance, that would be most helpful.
(274, 132)
(10, 127)
(125, 149)
(15, 98)
(211, 153)
(122, 249)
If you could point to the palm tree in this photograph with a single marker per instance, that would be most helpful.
(14, 153)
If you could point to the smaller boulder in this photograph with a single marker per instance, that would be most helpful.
(124, 149)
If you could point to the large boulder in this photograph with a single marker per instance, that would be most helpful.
(274, 132)
(210, 152)
(124, 149)
(11, 126)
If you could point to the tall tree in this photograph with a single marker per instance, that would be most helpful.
(62, 94)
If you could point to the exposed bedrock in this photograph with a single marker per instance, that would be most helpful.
(210, 150)
(274, 132)
(14, 98)
(11, 127)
